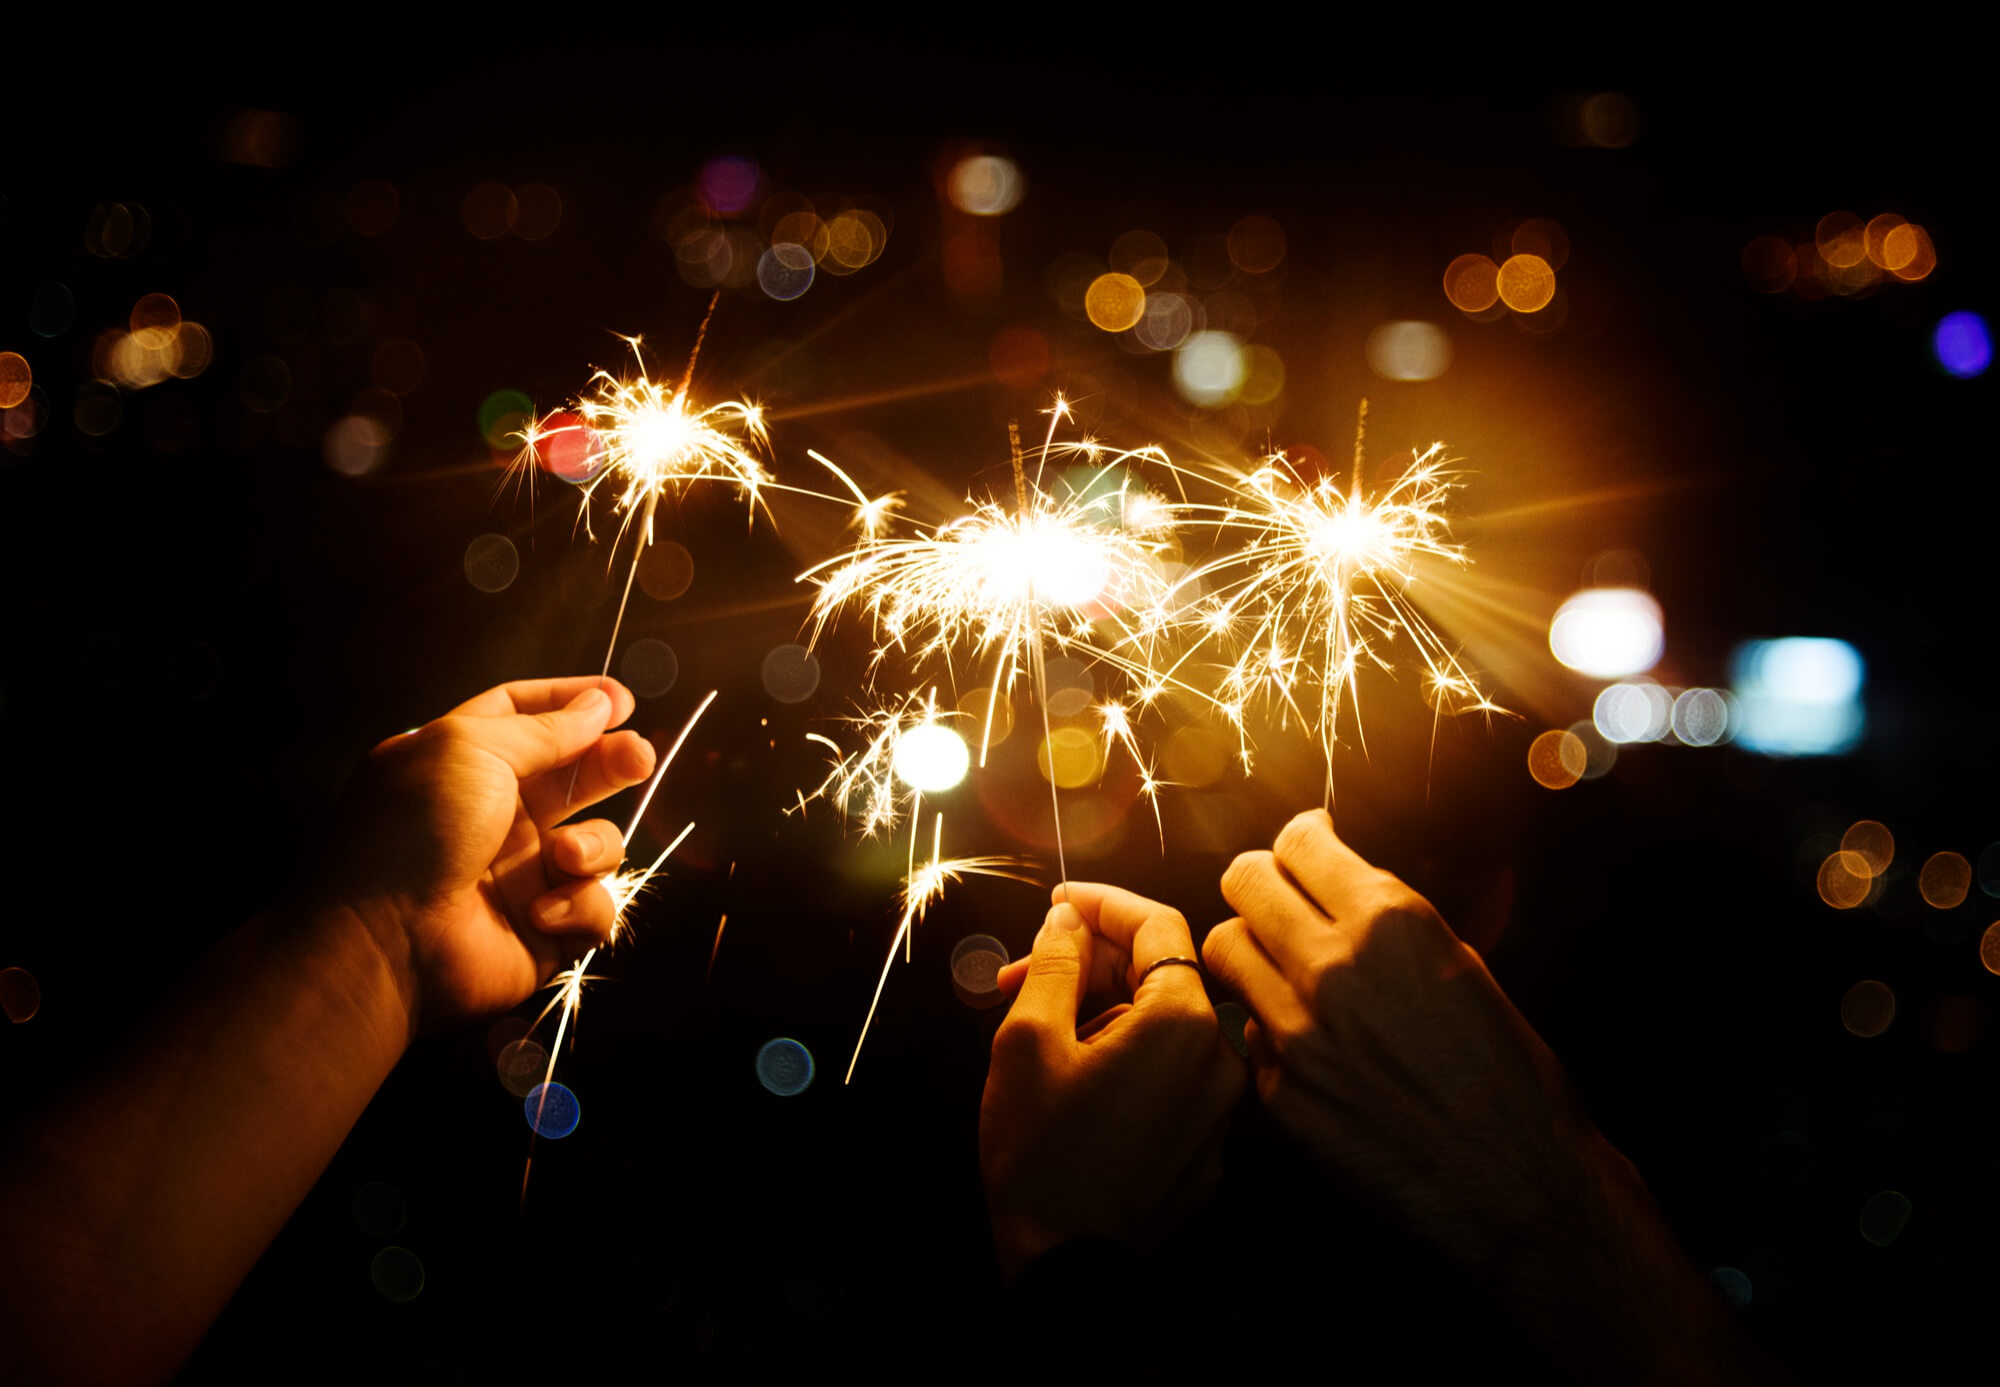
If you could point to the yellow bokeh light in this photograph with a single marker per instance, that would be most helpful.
(931, 758)
(1472, 283)
(1989, 947)
(1907, 252)
(1557, 759)
(1115, 301)
(1844, 880)
(155, 319)
(1873, 843)
(993, 729)
(1945, 879)
(1875, 235)
(855, 237)
(1868, 1008)
(1263, 375)
(1073, 753)
(1526, 283)
(195, 349)
(1840, 239)
(17, 378)
(803, 229)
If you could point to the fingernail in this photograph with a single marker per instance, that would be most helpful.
(1063, 917)
(589, 701)
(589, 845)
(552, 911)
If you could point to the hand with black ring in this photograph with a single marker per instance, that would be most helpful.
(1111, 1127)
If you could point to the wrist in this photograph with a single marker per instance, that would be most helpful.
(363, 954)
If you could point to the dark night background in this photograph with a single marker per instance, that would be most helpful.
(206, 626)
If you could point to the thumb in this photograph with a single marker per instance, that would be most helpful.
(533, 742)
(1058, 971)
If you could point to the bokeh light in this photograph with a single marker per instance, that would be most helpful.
(1609, 120)
(991, 718)
(568, 449)
(52, 311)
(785, 271)
(649, 667)
(1844, 880)
(985, 185)
(1735, 1287)
(1209, 368)
(1873, 843)
(1867, 1008)
(552, 1110)
(1962, 344)
(931, 758)
(521, 1064)
(1885, 1216)
(1540, 237)
(1526, 283)
(790, 673)
(1989, 948)
(489, 210)
(1409, 351)
(1115, 302)
(20, 994)
(1798, 696)
(1472, 283)
(356, 445)
(1600, 753)
(17, 378)
(1142, 255)
(492, 563)
(1635, 712)
(1908, 254)
(729, 185)
(1945, 880)
(504, 417)
(1608, 632)
(1070, 757)
(976, 961)
(666, 569)
(1557, 759)
(397, 1273)
(784, 1067)
(1702, 717)
(1167, 321)
(538, 211)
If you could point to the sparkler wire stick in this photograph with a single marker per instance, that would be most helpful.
(624, 889)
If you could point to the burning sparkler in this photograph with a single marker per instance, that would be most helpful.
(1319, 586)
(1062, 566)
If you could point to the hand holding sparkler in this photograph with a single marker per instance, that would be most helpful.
(1384, 1045)
(1113, 1129)
(449, 851)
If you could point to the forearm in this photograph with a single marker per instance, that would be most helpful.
(130, 1214)
(1598, 1282)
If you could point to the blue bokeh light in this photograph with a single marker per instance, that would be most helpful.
(552, 1110)
(785, 1067)
(1962, 344)
(1799, 696)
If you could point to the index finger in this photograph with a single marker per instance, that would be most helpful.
(546, 696)
(1144, 930)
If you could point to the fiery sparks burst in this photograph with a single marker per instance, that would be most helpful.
(1000, 582)
(646, 439)
(873, 787)
(1319, 586)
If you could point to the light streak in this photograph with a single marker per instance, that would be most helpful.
(624, 887)
(922, 887)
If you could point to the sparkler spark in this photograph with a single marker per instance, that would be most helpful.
(624, 887)
(1319, 587)
(922, 887)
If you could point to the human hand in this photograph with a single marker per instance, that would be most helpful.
(1380, 1040)
(447, 849)
(1116, 1129)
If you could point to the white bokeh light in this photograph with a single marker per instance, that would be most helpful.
(1608, 633)
(931, 758)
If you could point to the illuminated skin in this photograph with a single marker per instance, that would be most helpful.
(1113, 1127)
(1381, 1042)
(452, 888)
